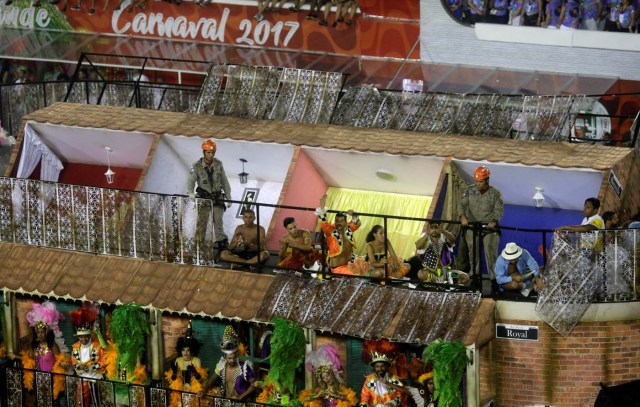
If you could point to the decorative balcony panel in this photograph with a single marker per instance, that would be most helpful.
(257, 92)
(588, 267)
(520, 117)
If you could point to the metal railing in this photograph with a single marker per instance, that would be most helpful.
(165, 228)
(17, 100)
(108, 393)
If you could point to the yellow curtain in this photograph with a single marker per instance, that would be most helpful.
(401, 233)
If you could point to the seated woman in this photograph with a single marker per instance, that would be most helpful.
(329, 389)
(45, 354)
(377, 257)
(187, 373)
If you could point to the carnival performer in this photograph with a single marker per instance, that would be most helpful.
(380, 252)
(126, 344)
(186, 374)
(339, 236)
(329, 389)
(236, 377)
(296, 251)
(375, 391)
(424, 394)
(47, 341)
(87, 355)
(287, 354)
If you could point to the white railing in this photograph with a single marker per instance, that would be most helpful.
(104, 221)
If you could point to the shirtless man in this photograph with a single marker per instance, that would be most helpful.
(339, 237)
(296, 251)
(236, 378)
(243, 248)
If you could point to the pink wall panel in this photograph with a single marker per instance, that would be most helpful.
(305, 189)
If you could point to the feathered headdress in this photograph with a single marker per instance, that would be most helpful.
(128, 328)
(83, 319)
(287, 353)
(325, 357)
(229, 340)
(388, 352)
(47, 316)
(44, 315)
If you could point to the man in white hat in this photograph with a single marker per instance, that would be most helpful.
(515, 268)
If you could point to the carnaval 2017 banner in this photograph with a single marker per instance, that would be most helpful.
(221, 22)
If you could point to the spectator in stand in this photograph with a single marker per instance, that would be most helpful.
(5, 71)
(626, 18)
(533, 13)
(569, 15)
(499, 12)
(590, 12)
(349, 12)
(553, 10)
(516, 10)
(315, 7)
(455, 6)
(477, 10)
(297, 5)
(611, 12)
(635, 221)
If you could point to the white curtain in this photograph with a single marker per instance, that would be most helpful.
(35, 150)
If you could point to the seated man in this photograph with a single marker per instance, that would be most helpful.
(296, 251)
(243, 248)
(434, 251)
(514, 269)
(339, 237)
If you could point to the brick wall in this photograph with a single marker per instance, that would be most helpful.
(173, 327)
(558, 371)
(628, 173)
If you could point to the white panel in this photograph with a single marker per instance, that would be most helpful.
(85, 145)
(413, 175)
(444, 40)
(563, 188)
(561, 38)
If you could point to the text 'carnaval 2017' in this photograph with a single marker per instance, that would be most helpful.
(157, 24)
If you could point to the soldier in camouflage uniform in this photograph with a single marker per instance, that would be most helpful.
(482, 203)
(213, 187)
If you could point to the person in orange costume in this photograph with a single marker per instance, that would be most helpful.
(339, 237)
(375, 391)
(87, 355)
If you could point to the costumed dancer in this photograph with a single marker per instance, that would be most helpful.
(236, 377)
(126, 343)
(339, 237)
(87, 355)
(424, 394)
(375, 391)
(329, 389)
(287, 354)
(46, 349)
(187, 373)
